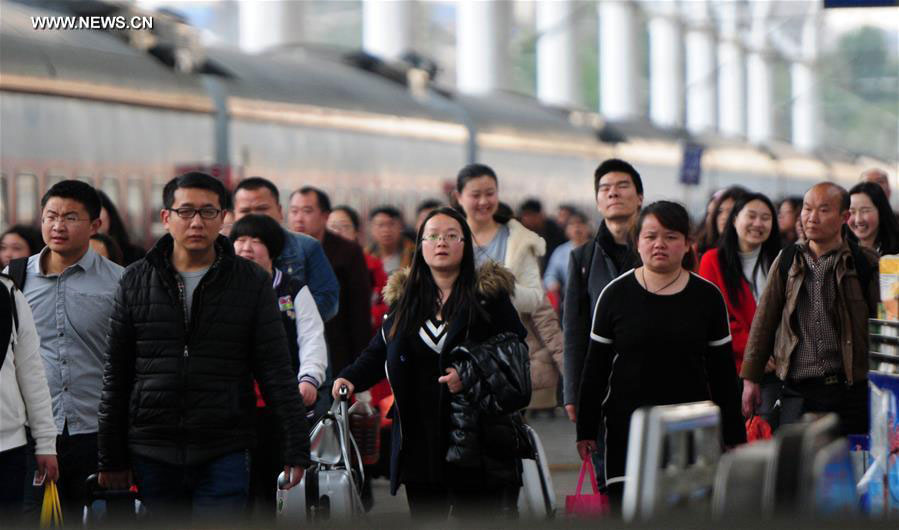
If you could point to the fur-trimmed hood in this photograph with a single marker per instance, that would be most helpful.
(492, 280)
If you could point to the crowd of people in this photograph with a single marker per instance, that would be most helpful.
(196, 372)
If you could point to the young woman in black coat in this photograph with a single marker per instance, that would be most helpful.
(440, 303)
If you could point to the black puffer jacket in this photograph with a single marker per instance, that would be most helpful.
(497, 465)
(182, 392)
(496, 385)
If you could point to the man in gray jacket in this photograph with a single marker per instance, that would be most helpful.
(619, 196)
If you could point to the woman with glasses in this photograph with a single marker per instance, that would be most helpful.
(871, 220)
(440, 303)
(660, 336)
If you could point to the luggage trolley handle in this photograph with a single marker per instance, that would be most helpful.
(343, 426)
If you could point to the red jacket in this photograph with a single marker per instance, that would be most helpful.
(740, 315)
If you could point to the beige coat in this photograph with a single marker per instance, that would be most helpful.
(523, 251)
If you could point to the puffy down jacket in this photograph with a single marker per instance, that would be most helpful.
(496, 385)
(180, 390)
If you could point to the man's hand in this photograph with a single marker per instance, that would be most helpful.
(309, 393)
(752, 398)
(48, 466)
(335, 390)
(770, 366)
(452, 380)
(115, 480)
(294, 475)
(571, 410)
(585, 448)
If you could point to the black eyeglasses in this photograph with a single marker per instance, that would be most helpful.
(187, 212)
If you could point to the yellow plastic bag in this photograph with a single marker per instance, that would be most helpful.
(51, 511)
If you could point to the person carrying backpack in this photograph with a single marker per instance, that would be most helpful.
(813, 318)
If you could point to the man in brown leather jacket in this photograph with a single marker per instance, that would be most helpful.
(813, 321)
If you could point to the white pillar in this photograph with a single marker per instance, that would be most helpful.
(386, 27)
(481, 30)
(268, 24)
(701, 69)
(731, 76)
(666, 66)
(759, 83)
(557, 72)
(806, 104)
(618, 83)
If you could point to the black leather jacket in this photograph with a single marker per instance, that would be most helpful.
(496, 385)
(181, 391)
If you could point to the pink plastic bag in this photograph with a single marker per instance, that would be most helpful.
(590, 504)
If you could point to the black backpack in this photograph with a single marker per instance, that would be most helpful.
(8, 304)
(7, 327)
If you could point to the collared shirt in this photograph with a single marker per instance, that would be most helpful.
(71, 314)
(818, 352)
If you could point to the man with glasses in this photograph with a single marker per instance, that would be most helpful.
(193, 326)
(70, 289)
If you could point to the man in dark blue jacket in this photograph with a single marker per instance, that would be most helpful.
(193, 326)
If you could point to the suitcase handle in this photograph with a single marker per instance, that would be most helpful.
(95, 492)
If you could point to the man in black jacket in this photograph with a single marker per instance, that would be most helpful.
(619, 196)
(192, 327)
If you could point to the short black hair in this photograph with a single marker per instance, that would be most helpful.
(672, 216)
(194, 179)
(427, 204)
(263, 227)
(531, 205)
(616, 165)
(324, 202)
(387, 210)
(473, 171)
(351, 213)
(77, 191)
(255, 183)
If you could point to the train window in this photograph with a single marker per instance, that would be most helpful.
(53, 177)
(156, 195)
(110, 187)
(26, 198)
(4, 202)
(135, 205)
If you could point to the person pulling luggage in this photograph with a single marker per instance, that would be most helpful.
(454, 353)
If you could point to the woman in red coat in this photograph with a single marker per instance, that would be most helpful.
(739, 267)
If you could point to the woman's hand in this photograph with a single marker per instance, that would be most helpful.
(585, 448)
(339, 382)
(452, 380)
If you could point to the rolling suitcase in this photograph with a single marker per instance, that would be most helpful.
(538, 497)
(110, 508)
(331, 488)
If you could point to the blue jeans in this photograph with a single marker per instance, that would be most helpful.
(214, 490)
